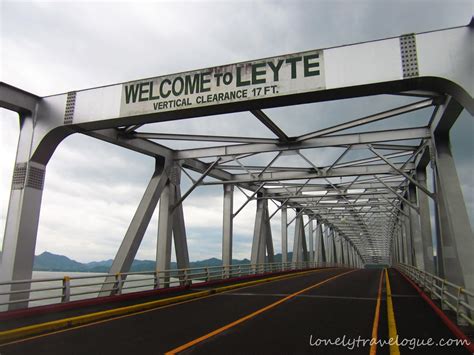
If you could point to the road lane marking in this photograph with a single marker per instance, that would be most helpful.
(300, 296)
(375, 326)
(249, 316)
(14, 336)
(392, 326)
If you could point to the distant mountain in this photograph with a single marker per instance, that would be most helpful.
(52, 262)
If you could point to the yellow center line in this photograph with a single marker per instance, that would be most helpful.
(375, 327)
(392, 326)
(87, 320)
(251, 315)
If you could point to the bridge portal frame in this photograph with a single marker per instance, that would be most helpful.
(365, 69)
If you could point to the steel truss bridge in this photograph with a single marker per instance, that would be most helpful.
(368, 204)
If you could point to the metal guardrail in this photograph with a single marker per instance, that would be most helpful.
(66, 289)
(451, 297)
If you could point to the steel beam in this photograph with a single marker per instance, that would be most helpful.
(457, 237)
(171, 226)
(227, 225)
(320, 248)
(300, 251)
(165, 230)
(415, 228)
(133, 237)
(320, 142)
(284, 234)
(262, 117)
(340, 172)
(311, 240)
(425, 221)
(202, 138)
(369, 119)
(258, 244)
(23, 213)
(179, 232)
(267, 230)
(17, 100)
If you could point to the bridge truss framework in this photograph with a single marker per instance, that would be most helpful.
(356, 211)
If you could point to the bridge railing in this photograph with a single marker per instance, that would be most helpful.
(43, 291)
(451, 297)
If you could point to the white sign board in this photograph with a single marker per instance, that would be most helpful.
(265, 78)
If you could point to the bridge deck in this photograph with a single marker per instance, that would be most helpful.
(274, 317)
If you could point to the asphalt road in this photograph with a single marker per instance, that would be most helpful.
(297, 315)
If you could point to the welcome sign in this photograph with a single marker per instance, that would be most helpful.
(271, 77)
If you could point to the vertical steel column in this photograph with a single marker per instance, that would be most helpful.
(179, 228)
(346, 250)
(268, 235)
(458, 241)
(403, 244)
(258, 243)
(24, 206)
(284, 234)
(396, 247)
(165, 229)
(320, 249)
(311, 239)
(341, 248)
(399, 243)
(329, 250)
(352, 256)
(335, 257)
(300, 251)
(441, 223)
(415, 228)
(297, 242)
(133, 237)
(227, 224)
(426, 236)
(408, 238)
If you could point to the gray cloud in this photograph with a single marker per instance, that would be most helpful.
(93, 188)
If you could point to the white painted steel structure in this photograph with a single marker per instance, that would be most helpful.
(377, 212)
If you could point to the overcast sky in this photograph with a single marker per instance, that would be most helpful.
(92, 188)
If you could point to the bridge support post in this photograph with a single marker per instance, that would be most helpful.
(262, 235)
(284, 234)
(179, 229)
(268, 235)
(398, 236)
(405, 238)
(415, 228)
(171, 224)
(398, 251)
(403, 244)
(426, 237)
(300, 250)
(457, 238)
(19, 242)
(320, 247)
(335, 257)
(341, 248)
(133, 237)
(349, 254)
(329, 248)
(227, 227)
(346, 250)
(311, 240)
